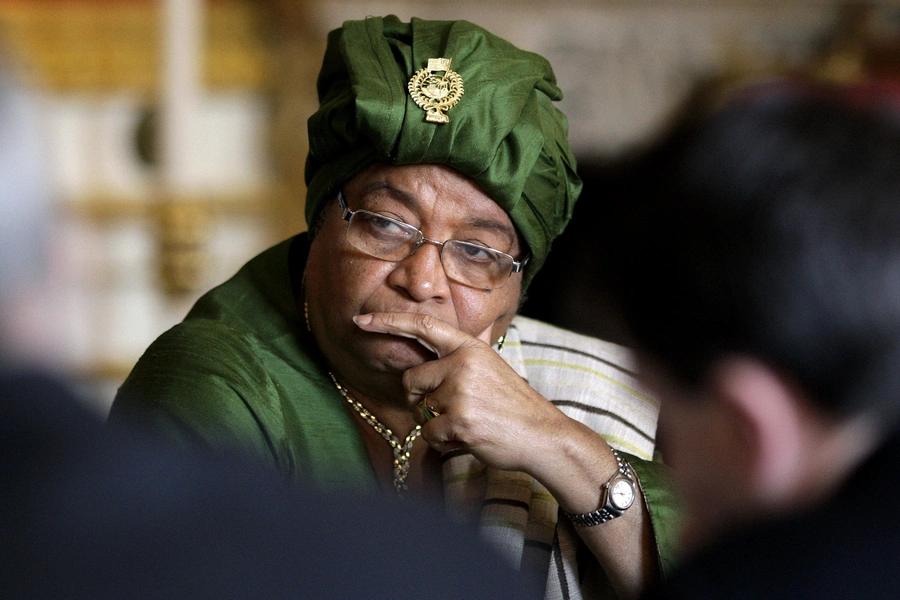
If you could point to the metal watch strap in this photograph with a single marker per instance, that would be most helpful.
(604, 514)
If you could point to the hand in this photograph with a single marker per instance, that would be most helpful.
(482, 403)
(486, 407)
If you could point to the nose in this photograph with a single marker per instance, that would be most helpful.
(421, 275)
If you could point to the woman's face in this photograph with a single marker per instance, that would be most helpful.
(342, 282)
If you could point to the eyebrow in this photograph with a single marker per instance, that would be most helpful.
(411, 201)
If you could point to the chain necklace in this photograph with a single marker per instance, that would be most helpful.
(401, 450)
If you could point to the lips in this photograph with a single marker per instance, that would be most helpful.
(394, 345)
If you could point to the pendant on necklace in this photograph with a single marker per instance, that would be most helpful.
(401, 450)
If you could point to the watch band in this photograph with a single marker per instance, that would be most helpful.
(607, 512)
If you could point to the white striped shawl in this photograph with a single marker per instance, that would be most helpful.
(591, 381)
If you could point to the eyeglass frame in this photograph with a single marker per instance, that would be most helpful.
(347, 214)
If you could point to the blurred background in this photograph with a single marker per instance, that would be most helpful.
(174, 131)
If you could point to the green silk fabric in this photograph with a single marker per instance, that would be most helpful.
(242, 374)
(664, 505)
(505, 133)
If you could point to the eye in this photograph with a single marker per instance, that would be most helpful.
(381, 226)
(475, 253)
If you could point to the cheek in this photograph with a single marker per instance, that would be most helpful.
(679, 436)
(699, 447)
(689, 446)
(341, 279)
(476, 310)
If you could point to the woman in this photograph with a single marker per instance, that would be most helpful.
(439, 173)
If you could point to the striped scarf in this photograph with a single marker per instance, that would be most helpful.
(589, 380)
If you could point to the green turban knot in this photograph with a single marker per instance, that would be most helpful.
(505, 133)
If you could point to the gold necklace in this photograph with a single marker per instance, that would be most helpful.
(401, 450)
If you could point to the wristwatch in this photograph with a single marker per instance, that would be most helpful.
(617, 495)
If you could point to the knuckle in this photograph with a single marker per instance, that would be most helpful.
(425, 322)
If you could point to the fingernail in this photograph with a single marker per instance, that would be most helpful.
(362, 319)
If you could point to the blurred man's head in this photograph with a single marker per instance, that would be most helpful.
(761, 280)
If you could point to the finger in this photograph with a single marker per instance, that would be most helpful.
(442, 447)
(424, 379)
(440, 337)
(438, 433)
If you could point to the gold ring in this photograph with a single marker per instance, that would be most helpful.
(429, 412)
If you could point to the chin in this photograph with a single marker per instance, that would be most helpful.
(399, 354)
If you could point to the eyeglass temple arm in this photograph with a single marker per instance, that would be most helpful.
(346, 213)
(518, 265)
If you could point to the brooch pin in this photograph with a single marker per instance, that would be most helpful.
(436, 94)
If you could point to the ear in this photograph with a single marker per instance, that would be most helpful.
(768, 411)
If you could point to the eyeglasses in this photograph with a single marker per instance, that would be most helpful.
(464, 262)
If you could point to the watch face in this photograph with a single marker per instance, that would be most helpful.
(621, 495)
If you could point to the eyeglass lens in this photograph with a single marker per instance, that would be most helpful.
(465, 262)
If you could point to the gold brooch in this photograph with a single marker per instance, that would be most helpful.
(436, 94)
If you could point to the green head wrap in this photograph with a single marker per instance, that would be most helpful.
(504, 133)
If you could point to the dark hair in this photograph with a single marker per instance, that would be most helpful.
(772, 229)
